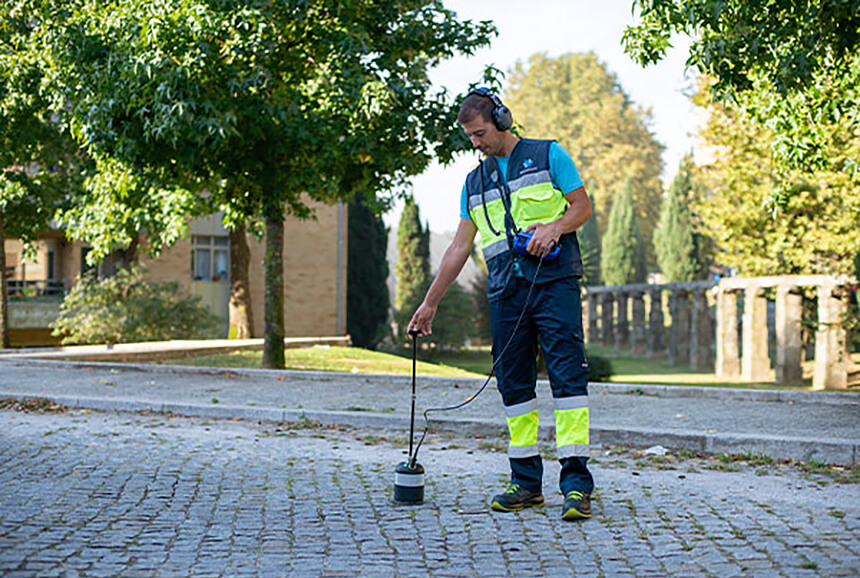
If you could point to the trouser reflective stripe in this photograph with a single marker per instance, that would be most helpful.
(571, 426)
(523, 427)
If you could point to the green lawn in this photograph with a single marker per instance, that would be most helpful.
(474, 362)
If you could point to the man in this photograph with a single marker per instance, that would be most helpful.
(532, 186)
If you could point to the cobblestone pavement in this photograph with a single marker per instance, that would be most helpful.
(103, 494)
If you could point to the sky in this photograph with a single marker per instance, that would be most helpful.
(557, 27)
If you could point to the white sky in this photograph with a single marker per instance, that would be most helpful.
(557, 27)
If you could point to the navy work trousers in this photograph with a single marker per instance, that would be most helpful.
(553, 319)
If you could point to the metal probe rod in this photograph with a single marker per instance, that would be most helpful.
(412, 417)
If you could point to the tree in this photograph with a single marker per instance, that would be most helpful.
(367, 298)
(589, 249)
(480, 302)
(413, 264)
(680, 249)
(817, 229)
(30, 142)
(288, 101)
(576, 100)
(622, 258)
(792, 65)
(455, 319)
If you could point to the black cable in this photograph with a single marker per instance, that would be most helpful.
(468, 400)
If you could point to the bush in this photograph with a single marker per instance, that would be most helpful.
(124, 308)
(599, 368)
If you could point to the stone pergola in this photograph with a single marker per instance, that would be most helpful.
(625, 317)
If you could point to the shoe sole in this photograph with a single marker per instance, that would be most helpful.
(574, 514)
(529, 504)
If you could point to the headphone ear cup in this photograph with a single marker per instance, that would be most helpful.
(502, 117)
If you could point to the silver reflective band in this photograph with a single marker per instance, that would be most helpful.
(521, 408)
(491, 195)
(408, 480)
(496, 248)
(572, 451)
(574, 402)
(523, 451)
(531, 179)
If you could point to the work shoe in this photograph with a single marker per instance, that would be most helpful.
(577, 506)
(516, 498)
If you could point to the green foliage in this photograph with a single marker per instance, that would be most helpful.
(413, 264)
(367, 298)
(792, 65)
(816, 232)
(623, 252)
(454, 321)
(589, 248)
(680, 249)
(576, 100)
(125, 309)
(599, 368)
(480, 302)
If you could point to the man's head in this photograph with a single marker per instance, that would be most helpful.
(487, 122)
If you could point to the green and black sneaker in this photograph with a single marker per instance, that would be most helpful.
(516, 498)
(577, 506)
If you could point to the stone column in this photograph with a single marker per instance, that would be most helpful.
(622, 327)
(679, 332)
(637, 332)
(607, 304)
(831, 360)
(789, 351)
(728, 352)
(755, 365)
(656, 342)
(701, 333)
(593, 326)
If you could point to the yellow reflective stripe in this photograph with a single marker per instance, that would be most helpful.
(524, 429)
(496, 211)
(571, 427)
(538, 203)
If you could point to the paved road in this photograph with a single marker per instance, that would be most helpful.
(104, 494)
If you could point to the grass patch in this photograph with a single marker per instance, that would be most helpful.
(334, 358)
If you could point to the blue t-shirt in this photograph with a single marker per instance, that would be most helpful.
(562, 170)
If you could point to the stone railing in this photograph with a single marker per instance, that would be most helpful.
(625, 317)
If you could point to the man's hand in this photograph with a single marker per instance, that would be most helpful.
(544, 238)
(422, 320)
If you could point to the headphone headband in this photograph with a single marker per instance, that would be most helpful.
(502, 117)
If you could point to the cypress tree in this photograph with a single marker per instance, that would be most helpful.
(367, 298)
(413, 264)
(589, 248)
(678, 248)
(623, 252)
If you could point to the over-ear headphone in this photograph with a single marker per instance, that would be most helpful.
(502, 117)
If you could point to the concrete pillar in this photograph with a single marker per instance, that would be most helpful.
(607, 304)
(755, 364)
(679, 332)
(637, 331)
(728, 352)
(701, 333)
(789, 351)
(656, 341)
(831, 359)
(592, 325)
(622, 326)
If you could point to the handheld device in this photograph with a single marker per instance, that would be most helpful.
(521, 241)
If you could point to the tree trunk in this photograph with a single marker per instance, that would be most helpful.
(273, 267)
(4, 297)
(241, 318)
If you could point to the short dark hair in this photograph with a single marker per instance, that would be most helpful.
(474, 105)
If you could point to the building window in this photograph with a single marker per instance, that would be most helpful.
(210, 258)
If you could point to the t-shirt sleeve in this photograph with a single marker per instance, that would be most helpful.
(563, 170)
(464, 204)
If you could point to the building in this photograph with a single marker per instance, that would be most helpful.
(315, 265)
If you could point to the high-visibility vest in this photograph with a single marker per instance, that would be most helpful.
(533, 199)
